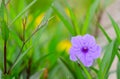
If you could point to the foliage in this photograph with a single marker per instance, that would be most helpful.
(35, 39)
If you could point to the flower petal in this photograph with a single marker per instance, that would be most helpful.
(76, 41)
(73, 52)
(90, 40)
(86, 60)
(95, 53)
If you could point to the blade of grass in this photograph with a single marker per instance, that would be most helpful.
(1, 11)
(62, 15)
(94, 69)
(114, 52)
(20, 58)
(23, 11)
(117, 30)
(104, 32)
(84, 69)
(106, 61)
(73, 18)
(89, 16)
(37, 74)
(4, 30)
(118, 70)
(74, 73)
(116, 27)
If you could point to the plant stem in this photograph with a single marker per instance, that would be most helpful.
(24, 21)
(16, 58)
(24, 42)
(29, 68)
(24, 25)
(5, 54)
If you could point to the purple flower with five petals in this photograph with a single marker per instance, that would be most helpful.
(85, 49)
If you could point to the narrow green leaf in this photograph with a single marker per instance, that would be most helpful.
(4, 30)
(3, 25)
(106, 61)
(116, 27)
(85, 70)
(23, 11)
(118, 70)
(114, 52)
(20, 58)
(68, 67)
(90, 15)
(16, 37)
(1, 11)
(104, 32)
(94, 69)
(74, 73)
(43, 58)
(73, 18)
(62, 15)
(37, 74)
(0, 74)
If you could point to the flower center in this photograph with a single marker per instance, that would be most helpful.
(84, 49)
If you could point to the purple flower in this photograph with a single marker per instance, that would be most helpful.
(85, 49)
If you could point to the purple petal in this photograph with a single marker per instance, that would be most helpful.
(76, 41)
(73, 52)
(81, 57)
(90, 40)
(86, 60)
(95, 52)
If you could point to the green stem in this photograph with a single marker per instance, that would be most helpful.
(84, 69)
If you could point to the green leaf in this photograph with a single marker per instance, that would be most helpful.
(37, 74)
(85, 70)
(0, 74)
(89, 16)
(5, 30)
(71, 70)
(1, 11)
(104, 32)
(106, 61)
(73, 18)
(118, 70)
(3, 25)
(64, 18)
(116, 27)
(16, 39)
(23, 11)
(20, 58)
(115, 52)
